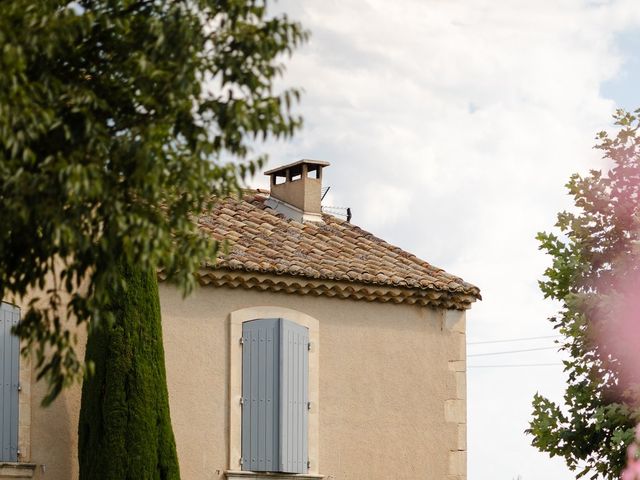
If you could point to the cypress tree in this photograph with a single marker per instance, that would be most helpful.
(125, 429)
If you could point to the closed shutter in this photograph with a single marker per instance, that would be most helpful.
(9, 383)
(294, 366)
(274, 396)
(260, 398)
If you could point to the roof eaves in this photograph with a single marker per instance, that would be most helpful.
(336, 289)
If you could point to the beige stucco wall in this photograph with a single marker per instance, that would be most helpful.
(391, 388)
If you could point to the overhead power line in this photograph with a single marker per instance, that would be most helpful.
(511, 351)
(516, 365)
(522, 339)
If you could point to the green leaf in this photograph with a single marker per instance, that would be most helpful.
(109, 111)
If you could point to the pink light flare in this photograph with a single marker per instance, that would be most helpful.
(632, 470)
(614, 315)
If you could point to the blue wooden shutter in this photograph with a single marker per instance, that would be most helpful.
(260, 397)
(274, 396)
(9, 383)
(294, 366)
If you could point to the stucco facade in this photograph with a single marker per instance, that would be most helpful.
(389, 394)
(382, 393)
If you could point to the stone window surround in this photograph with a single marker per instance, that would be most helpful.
(243, 475)
(16, 470)
(24, 410)
(236, 319)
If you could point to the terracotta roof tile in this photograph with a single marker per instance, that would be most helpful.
(263, 241)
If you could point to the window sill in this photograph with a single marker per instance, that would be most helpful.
(16, 470)
(244, 475)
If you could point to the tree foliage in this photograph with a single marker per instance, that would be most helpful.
(118, 120)
(125, 429)
(594, 272)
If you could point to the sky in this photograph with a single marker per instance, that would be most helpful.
(451, 127)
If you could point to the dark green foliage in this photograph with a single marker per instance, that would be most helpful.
(125, 429)
(594, 254)
(108, 110)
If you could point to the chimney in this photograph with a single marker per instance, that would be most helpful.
(296, 190)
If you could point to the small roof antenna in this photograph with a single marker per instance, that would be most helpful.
(324, 194)
(348, 215)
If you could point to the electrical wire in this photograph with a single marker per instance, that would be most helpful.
(516, 365)
(511, 351)
(522, 339)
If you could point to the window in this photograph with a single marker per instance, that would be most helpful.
(9, 383)
(311, 416)
(275, 384)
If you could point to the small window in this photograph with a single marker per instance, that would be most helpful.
(295, 173)
(313, 171)
(9, 383)
(275, 379)
(278, 179)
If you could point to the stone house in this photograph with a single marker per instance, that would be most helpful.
(312, 350)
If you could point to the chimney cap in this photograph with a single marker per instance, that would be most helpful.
(282, 168)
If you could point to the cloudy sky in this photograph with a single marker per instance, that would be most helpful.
(451, 127)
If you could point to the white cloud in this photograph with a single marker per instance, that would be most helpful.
(452, 127)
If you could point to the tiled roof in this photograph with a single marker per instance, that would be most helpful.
(263, 241)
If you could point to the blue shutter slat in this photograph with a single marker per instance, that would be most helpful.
(6, 379)
(246, 412)
(262, 394)
(4, 355)
(305, 401)
(15, 384)
(253, 398)
(271, 373)
(9, 378)
(284, 401)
